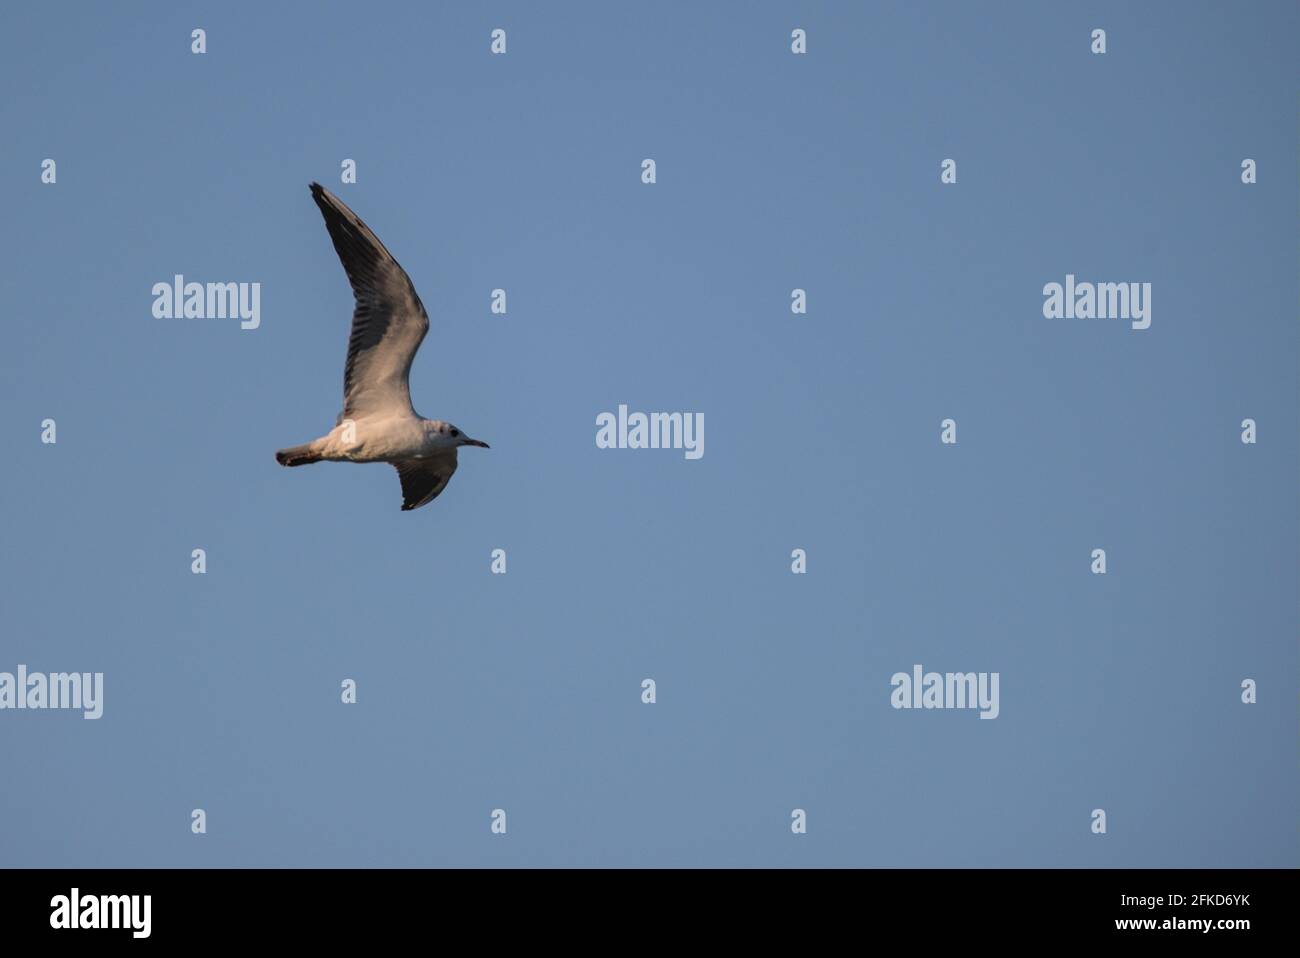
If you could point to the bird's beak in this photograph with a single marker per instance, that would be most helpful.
(477, 442)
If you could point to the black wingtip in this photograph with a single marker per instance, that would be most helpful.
(316, 188)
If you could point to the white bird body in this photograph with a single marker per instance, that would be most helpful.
(384, 439)
(378, 423)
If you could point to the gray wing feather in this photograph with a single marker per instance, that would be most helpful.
(423, 479)
(389, 322)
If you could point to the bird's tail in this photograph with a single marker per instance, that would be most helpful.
(297, 455)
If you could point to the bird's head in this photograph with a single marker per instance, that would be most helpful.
(453, 437)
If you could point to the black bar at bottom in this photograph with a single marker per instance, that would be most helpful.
(334, 906)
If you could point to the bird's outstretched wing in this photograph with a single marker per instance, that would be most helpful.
(423, 479)
(389, 322)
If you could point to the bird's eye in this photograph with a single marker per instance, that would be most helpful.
(456, 433)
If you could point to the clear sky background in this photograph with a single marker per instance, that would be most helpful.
(479, 691)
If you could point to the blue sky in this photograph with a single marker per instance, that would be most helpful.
(775, 171)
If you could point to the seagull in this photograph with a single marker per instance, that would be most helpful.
(378, 423)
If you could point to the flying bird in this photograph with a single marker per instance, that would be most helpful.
(378, 423)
